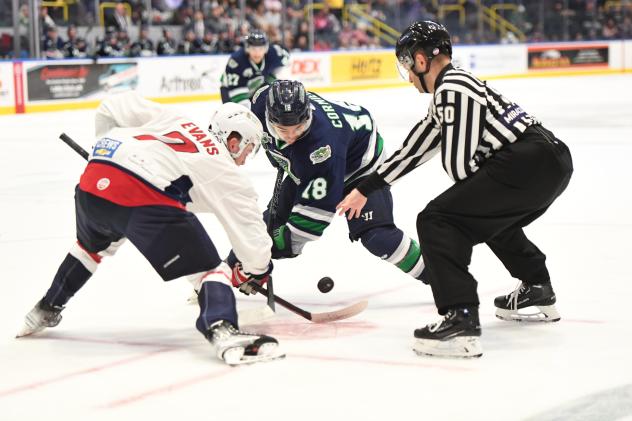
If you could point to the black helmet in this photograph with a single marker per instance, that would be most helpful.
(287, 103)
(256, 38)
(429, 36)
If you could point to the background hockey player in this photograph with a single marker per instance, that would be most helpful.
(326, 148)
(149, 168)
(255, 64)
(507, 169)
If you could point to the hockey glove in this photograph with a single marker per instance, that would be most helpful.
(242, 280)
(282, 243)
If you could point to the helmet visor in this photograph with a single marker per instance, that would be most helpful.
(404, 65)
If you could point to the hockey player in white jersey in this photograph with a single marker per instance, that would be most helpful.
(148, 171)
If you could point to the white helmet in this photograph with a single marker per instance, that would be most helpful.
(232, 117)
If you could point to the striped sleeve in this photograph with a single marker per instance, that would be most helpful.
(460, 108)
(421, 144)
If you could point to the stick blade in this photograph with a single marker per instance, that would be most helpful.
(343, 313)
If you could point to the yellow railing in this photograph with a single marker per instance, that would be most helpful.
(444, 9)
(57, 3)
(489, 15)
(499, 24)
(111, 5)
(355, 13)
(617, 5)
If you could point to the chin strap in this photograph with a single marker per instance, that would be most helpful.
(421, 75)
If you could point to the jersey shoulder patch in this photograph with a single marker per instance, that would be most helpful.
(321, 154)
(258, 92)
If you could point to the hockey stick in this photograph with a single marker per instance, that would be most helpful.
(331, 316)
(343, 313)
(274, 203)
(76, 147)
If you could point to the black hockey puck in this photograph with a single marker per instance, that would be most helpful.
(325, 284)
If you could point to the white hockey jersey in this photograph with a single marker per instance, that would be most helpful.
(146, 154)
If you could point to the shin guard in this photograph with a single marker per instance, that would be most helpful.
(390, 244)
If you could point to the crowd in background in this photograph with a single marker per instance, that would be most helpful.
(218, 26)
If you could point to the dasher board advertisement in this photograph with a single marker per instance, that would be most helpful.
(568, 56)
(78, 80)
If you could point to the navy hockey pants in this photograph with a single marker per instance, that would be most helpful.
(173, 240)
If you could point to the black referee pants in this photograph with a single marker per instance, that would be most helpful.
(509, 191)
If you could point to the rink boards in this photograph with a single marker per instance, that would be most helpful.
(47, 85)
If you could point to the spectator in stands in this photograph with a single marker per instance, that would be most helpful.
(226, 43)
(53, 46)
(258, 17)
(352, 38)
(209, 43)
(302, 43)
(626, 27)
(46, 22)
(143, 47)
(610, 29)
(197, 25)
(120, 19)
(327, 27)
(6, 46)
(75, 46)
(124, 41)
(272, 16)
(190, 44)
(167, 45)
(216, 21)
(110, 46)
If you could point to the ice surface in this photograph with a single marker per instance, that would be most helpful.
(127, 348)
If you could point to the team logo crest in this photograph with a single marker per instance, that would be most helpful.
(248, 72)
(103, 183)
(105, 148)
(320, 155)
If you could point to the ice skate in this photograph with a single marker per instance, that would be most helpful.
(41, 317)
(538, 300)
(235, 347)
(456, 335)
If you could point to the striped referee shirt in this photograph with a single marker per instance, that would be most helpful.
(467, 121)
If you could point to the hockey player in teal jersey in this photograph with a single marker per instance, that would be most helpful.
(326, 148)
(250, 67)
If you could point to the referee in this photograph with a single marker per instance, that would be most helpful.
(507, 169)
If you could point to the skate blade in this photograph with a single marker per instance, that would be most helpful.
(251, 359)
(459, 347)
(545, 314)
(27, 331)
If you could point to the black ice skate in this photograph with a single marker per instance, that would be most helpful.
(42, 316)
(455, 335)
(540, 296)
(236, 347)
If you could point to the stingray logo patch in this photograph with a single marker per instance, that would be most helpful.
(105, 148)
(320, 155)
